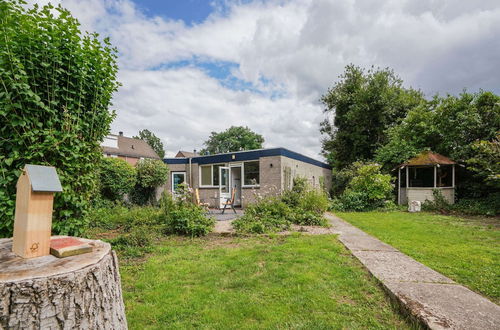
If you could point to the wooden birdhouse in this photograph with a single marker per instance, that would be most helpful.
(33, 216)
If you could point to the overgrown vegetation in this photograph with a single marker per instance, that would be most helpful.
(151, 174)
(366, 189)
(302, 205)
(465, 249)
(488, 206)
(57, 85)
(116, 178)
(132, 229)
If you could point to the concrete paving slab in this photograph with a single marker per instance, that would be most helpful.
(430, 297)
(397, 266)
(445, 306)
(364, 242)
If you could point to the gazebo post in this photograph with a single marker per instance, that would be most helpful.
(399, 185)
(407, 178)
(453, 176)
(435, 176)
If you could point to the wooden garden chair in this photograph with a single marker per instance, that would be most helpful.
(229, 202)
(199, 202)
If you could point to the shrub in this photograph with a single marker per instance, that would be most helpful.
(489, 206)
(54, 106)
(269, 214)
(151, 174)
(116, 178)
(183, 217)
(189, 220)
(368, 189)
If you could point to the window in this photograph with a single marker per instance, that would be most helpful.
(206, 175)
(209, 175)
(177, 179)
(251, 173)
(215, 174)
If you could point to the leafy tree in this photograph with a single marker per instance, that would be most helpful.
(235, 138)
(56, 89)
(486, 161)
(153, 141)
(450, 126)
(116, 178)
(151, 174)
(360, 108)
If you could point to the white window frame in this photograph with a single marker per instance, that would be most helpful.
(243, 185)
(172, 179)
(211, 175)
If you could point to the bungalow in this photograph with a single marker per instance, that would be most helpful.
(263, 171)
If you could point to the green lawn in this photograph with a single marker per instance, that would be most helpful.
(466, 250)
(298, 282)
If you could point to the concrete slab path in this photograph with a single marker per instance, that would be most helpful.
(432, 298)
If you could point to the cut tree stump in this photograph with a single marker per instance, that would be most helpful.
(77, 292)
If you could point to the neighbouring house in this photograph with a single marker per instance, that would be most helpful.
(186, 154)
(421, 175)
(129, 149)
(262, 171)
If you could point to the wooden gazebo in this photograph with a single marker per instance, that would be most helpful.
(419, 176)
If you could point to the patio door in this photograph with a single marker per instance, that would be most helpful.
(224, 185)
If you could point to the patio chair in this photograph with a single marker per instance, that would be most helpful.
(199, 202)
(229, 202)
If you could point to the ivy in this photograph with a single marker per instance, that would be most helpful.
(56, 86)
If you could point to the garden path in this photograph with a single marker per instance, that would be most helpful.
(429, 296)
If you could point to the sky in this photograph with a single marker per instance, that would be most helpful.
(190, 67)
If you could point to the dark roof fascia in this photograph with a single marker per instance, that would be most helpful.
(246, 156)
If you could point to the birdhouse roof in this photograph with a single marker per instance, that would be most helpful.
(43, 178)
(428, 158)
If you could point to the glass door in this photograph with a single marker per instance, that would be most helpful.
(224, 185)
(177, 179)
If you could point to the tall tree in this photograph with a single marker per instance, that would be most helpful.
(153, 141)
(360, 107)
(57, 86)
(235, 138)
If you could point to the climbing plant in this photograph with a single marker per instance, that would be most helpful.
(56, 85)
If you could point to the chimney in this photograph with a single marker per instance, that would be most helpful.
(120, 133)
(194, 151)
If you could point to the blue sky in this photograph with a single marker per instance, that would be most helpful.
(266, 63)
(190, 11)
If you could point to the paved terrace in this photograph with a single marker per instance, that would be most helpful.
(427, 295)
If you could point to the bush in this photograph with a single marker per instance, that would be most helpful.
(151, 174)
(269, 214)
(116, 178)
(184, 218)
(489, 206)
(54, 107)
(190, 221)
(368, 189)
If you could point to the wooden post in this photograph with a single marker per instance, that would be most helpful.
(399, 185)
(33, 216)
(453, 176)
(435, 176)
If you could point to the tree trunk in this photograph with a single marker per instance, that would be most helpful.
(82, 292)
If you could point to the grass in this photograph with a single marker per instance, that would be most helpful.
(298, 281)
(466, 250)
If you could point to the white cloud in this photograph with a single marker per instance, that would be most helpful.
(300, 46)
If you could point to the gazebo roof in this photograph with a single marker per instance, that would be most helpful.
(428, 158)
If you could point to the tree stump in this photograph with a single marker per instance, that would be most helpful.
(82, 292)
